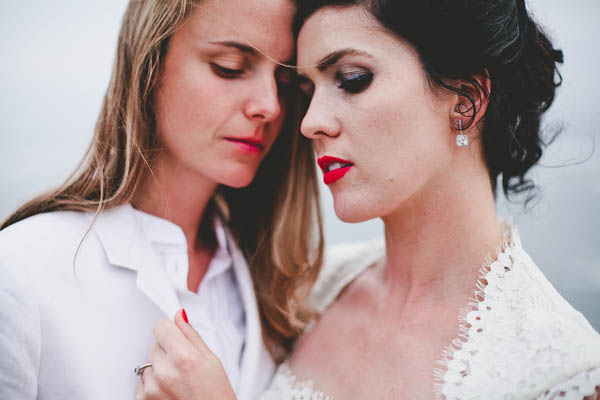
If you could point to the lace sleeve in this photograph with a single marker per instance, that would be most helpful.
(585, 385)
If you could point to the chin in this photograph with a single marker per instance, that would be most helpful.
(238, 184)
(353, 211)
(238, 179)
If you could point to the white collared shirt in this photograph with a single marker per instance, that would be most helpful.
(216, 311)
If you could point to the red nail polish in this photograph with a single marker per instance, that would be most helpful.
(184, 315)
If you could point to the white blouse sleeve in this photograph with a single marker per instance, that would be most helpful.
(19, 337)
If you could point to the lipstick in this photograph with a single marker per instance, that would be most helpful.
(334, 168)
(248, 144)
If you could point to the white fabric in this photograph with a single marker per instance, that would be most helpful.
(519, 338)
(218, 309)
(74, 328)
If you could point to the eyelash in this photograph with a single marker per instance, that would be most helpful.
(283, 88)
(227, 73)
(354, 82)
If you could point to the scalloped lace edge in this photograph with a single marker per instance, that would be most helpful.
(301, 389)
(506, 250)
(509, 243)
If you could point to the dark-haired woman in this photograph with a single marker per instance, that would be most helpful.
(417, 109)
(427, 104)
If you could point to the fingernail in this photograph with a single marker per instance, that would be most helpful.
(184, 315)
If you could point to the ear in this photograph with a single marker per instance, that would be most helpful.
(471, 105)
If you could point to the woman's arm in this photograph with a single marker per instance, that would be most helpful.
(183, 367)
(19, 337)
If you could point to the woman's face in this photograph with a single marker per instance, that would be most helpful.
(381, 133)
(218, 106)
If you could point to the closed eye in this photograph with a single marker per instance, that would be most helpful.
(224, 72)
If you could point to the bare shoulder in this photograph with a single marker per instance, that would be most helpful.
(342, 264)
(350, 311)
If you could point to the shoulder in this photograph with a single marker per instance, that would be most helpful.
(45, 225)
(559, 341)
(559, 351)
(35, 244)
(546, 315)
(521, 330)
(341, 265)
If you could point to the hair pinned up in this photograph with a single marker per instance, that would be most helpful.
(459, 40)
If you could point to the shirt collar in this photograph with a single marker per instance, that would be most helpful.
(168, 238)
(160, 231)
(222, 260)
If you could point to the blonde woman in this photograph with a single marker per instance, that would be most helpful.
(179, 203)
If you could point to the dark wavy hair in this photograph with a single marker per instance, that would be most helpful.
(461, 39)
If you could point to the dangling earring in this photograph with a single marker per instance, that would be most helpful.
(462, 140)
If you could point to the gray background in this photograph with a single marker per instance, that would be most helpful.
(56, 62)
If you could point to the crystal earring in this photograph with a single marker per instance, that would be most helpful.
(462, 140)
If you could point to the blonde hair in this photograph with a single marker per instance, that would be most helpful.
(276, 219)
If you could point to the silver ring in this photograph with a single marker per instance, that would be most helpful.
(139, 370)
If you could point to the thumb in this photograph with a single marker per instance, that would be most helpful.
(189, 332)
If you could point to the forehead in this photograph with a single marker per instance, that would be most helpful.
(331, 29)
(264, 24)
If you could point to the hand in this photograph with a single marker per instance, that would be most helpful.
(183, 367)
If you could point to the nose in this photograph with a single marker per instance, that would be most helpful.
(263, 103)
(320, 120)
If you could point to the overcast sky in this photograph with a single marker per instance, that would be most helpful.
(56, 62)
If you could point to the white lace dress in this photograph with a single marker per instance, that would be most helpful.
(519, 338)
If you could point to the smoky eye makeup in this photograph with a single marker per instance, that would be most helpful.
(353, 80)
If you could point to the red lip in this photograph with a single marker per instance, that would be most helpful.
(250, 144)
(337, 174)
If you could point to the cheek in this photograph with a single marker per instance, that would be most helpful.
(186, 107)
(189, 122)
(399, 147)
(410, 132)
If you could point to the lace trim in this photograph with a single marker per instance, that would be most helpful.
(577, 387)
(518, 339)
(471, 316)
(286, 385)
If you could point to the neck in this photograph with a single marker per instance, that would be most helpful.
(176, 194)
(437, 241)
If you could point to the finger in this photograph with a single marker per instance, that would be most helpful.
(150, 387)
(147, 375)
(170, 338)
(139, 391)
(156, 353)
(190, 333)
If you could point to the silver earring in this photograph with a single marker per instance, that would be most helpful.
(462, 140)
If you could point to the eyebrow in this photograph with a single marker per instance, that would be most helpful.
(241, 47)
(247, 49)
(332, 58)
